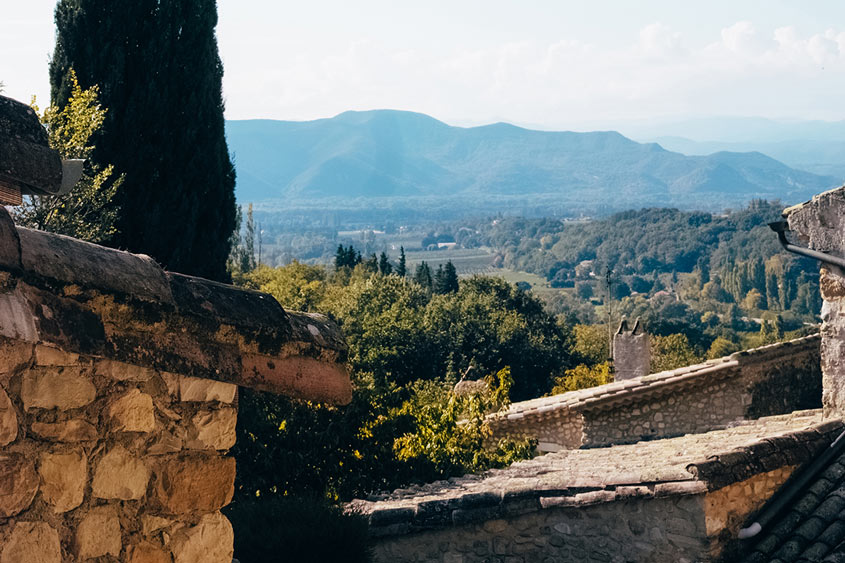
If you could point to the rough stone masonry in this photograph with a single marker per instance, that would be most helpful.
(118, 400)
(820, 223)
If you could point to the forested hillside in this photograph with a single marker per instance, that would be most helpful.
(688, 272)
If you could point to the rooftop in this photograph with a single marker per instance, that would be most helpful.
(613, 395)
(691, 464)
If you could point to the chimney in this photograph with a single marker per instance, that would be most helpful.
(631, 353)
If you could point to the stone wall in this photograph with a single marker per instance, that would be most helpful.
(107, 460)
(775, 379)
(668, 530)
(820, 224)
(672, 529)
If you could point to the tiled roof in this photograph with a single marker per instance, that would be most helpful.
(623, 392)
(811, 528)
(691, 464)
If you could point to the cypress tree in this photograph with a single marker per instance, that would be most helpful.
(422, 275)
(401, 269)
(384, 266)
(159, 74)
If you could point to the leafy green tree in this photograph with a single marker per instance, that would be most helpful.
(584, 290)
(86, 212)
(721, 347)
(672, 352)
(297, 286)
(401, 268)
(159, 74)
(583, 377)
(591, 343)
(449, 430)
(490, 324)
(382, 318)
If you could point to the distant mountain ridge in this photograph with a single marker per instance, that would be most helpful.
(390, 154)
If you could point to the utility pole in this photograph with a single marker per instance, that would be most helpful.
(260, 233)
(609, 281)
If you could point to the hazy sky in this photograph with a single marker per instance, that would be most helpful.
(548, 63)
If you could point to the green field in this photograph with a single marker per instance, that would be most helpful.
(467, 261)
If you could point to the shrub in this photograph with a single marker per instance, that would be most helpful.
(288, 529)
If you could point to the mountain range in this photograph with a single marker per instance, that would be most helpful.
(397, 154)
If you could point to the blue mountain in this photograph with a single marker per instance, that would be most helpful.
(387, 153)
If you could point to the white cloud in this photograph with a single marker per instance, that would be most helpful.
(743, 70)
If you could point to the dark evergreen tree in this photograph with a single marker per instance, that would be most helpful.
(384, 266)
(401, 268)
(159, 74)
(371, 263)
(422, 275)
(446, 279)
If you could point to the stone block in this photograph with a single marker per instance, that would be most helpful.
(16, 320)
(52, 356)
(120, 475)
(210, 541)
(195, 483)
(73, 430)
(8, 420)
(31, 542)
(132, 412)
(215, 429)
(146, 552)
(18, 484)
(150, 524)
(121, 371)
(63, 479)
(68, 389)
(98, 534)
(14, 355)
(196, 389)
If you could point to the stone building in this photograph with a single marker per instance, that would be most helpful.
(118, 387)
(737, 459)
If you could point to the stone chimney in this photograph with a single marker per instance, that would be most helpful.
(631, 354)
(820, 225)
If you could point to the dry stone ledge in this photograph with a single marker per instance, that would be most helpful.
(75, 298)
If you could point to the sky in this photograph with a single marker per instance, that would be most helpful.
(552, 64)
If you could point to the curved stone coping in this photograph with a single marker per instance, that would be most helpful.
(632, 390)
(26, 160)
(88, 299)
(691, 464)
